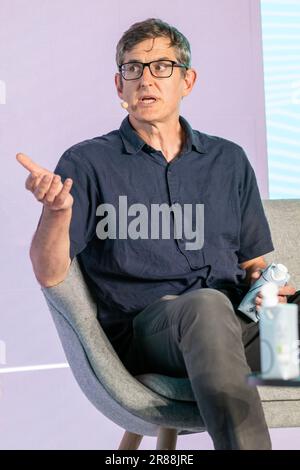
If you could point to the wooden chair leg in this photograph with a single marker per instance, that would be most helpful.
(166, 439)
(130, 441)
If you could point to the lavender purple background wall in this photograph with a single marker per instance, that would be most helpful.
(57, 62)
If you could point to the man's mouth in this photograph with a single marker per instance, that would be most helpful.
(148, 99)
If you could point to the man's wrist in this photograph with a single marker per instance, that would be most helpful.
(254, 269)
(56, 214)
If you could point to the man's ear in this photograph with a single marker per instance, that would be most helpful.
(119, 85)
(189, 81)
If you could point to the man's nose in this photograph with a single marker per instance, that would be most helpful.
(147, 76)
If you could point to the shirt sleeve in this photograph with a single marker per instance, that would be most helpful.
(85, 194)
(255, 236)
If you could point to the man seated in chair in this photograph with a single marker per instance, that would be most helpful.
(167, 299)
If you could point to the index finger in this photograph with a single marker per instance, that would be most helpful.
(27, 163)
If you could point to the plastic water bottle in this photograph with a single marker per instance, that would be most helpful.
(276, 273)
(278, 327)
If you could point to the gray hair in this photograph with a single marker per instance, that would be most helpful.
(154, 28)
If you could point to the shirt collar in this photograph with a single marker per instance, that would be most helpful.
(133, 142)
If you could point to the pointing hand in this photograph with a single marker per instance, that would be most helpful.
(46, 186)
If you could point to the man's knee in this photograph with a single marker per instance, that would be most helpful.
(206, 302)
(205, 307)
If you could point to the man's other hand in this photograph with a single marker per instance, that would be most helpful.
(282, 295)
(283, 292)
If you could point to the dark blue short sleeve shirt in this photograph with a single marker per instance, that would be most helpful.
(128, 274)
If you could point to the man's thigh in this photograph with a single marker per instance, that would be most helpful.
(158, 328)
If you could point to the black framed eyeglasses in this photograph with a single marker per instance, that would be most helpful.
(158, 68)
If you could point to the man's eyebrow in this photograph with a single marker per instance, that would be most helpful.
(137, 60)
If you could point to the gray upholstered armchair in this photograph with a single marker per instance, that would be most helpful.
(155, 404)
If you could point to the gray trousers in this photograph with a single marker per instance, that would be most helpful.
(198, 334)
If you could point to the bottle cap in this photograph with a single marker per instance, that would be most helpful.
(279, 272)
(270, 294)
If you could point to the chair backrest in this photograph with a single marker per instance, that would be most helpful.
(284, 219)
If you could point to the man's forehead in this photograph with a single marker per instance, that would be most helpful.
(159, 47)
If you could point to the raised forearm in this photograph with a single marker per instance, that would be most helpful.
(50, 247)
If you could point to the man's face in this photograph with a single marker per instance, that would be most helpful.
(167, 91)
